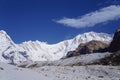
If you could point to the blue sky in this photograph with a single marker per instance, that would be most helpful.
(55, 20)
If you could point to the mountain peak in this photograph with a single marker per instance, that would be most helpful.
(5, 41)
(91, 32)
(4, 37)
(2, 32)
(88, 36)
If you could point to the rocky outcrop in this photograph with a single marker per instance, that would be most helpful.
(114, 48)
(113, 59)
(90, 47)
(115, 44)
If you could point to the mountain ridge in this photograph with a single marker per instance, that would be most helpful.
(41, 51)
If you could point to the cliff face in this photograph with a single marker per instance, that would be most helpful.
(113, 59)
(89, 47)
(114, 48)
(92, 47)
(115, 44)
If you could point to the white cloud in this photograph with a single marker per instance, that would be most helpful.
(91, 19)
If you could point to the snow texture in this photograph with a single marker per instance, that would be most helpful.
(9, 72)
(73, 61)
(93, 72)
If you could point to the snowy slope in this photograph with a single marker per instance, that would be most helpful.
(9, 51)
(9, 72)
(5, 41)
(72, 61)
(41, 51)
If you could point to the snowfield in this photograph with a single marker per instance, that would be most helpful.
(9, 72)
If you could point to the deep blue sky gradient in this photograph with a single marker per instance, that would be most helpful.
(27, 20)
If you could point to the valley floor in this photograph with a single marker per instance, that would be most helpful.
(91, 72)
(62, 70)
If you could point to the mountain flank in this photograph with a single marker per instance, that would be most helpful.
(93, 46)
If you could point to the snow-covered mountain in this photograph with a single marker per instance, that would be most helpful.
(41, 51)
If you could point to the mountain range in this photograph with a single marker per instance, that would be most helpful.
(13, 53)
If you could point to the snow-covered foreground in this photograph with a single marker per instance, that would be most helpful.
(91, 72)
(9, 72)
(74, 68)
(96, 72)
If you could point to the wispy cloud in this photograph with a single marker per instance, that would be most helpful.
(91, 19)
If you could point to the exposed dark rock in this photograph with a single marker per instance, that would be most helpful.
(114, 47)
(115, 44)
(87, 48)
(71, 53)
(92, 47)
(1, 68)
(113, 59)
